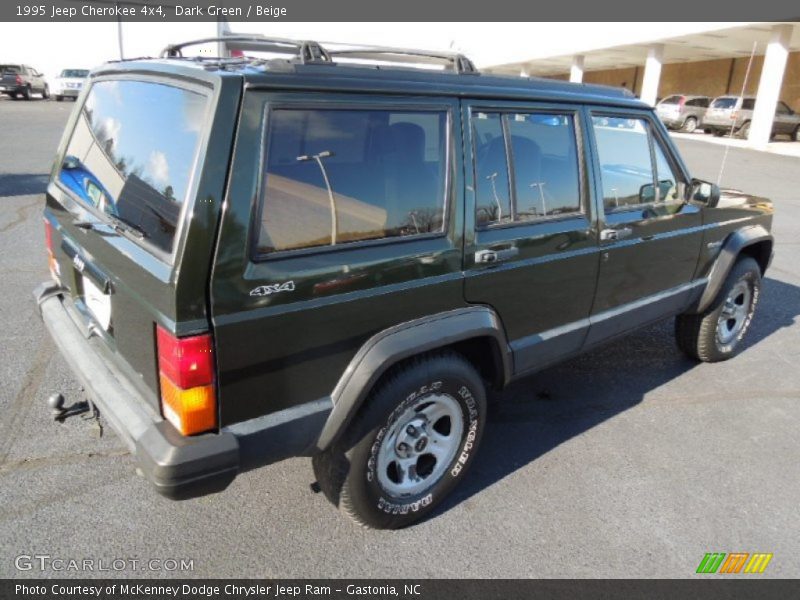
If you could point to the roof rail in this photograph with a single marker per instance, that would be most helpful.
(313, 52)
(307, 51)
(457, 62)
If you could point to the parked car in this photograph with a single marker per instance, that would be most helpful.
(728, 114)
(22, 81)
(307, 257)
(69, 83)
(682, 111)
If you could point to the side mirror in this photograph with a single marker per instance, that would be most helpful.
(647, 193)
(70, 162)
(704, 192)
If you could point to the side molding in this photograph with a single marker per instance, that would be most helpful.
(730, 251)
(386, 348)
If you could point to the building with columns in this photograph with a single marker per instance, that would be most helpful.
(710, 62)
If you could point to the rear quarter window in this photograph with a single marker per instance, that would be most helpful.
(341, 176)
(132, 154)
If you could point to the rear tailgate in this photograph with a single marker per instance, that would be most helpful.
(133, 203)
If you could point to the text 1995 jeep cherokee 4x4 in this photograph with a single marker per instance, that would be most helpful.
(257, 259)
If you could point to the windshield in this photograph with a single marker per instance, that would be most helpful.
(132, 154)
(724, 103)
(74, 73)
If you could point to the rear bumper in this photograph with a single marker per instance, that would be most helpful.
(179, 467)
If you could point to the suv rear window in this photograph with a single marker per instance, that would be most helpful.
(132, 154)
(340, 175)
(74, 73)
(12, 69)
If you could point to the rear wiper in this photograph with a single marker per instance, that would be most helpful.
(121, 226)
(92, 225)
(117, 224)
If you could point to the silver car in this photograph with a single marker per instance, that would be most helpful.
(682, 111)
(734, 113)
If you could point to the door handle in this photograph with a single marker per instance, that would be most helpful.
(493, 256)
(612, 235)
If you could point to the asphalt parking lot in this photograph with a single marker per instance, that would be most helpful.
(631, 461)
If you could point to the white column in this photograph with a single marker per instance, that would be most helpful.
(652, 73)
(576, 70)
(769, 87)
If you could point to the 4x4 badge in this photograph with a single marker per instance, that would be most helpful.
(266, 290)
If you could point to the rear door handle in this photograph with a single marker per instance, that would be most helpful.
(611, 235)
(493, 256)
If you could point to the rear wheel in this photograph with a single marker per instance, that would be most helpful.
(411, 444)
(716, 334)
(744, 131)
(689, 125)
(59, 98)
(45, 92)
(796, 134)
(26, 93)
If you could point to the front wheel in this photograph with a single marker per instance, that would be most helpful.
(716, 334)
(46, 92)
(409, 446)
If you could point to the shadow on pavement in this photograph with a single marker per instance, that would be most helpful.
(541, 412)
(23, 184)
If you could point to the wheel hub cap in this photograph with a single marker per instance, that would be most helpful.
(419, 445)
(734, 313)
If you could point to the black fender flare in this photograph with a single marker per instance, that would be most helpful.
(392, 345)
(729, 252)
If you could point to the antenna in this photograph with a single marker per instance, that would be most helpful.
(741, 102)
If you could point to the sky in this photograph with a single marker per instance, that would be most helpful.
(51, 47)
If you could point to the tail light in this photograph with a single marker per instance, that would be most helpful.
(682, 101)
(55, 270)
(18, 80)
(734, 114)
(186, 377)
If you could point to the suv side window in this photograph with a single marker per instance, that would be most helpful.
(545, 158)
(543, 166)
(626, 168)
(782, 109)
(336, 176)
(701, 102)
(748, 104)
(627, 171)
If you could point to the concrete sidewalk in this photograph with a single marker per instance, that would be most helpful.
(783, 147)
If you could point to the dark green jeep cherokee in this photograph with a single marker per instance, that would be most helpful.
(257, 259)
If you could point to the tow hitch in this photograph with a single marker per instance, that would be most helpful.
(87, 408)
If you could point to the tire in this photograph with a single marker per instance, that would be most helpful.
(744, 131)
(45, 92)
(689, 125)
(796, 134)
(26, 93)
(434, 402)
(718, 133)
(716, 334)
(59, 98)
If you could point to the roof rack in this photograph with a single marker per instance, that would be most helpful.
(306, 51)
(313, 52)
(455, 61)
